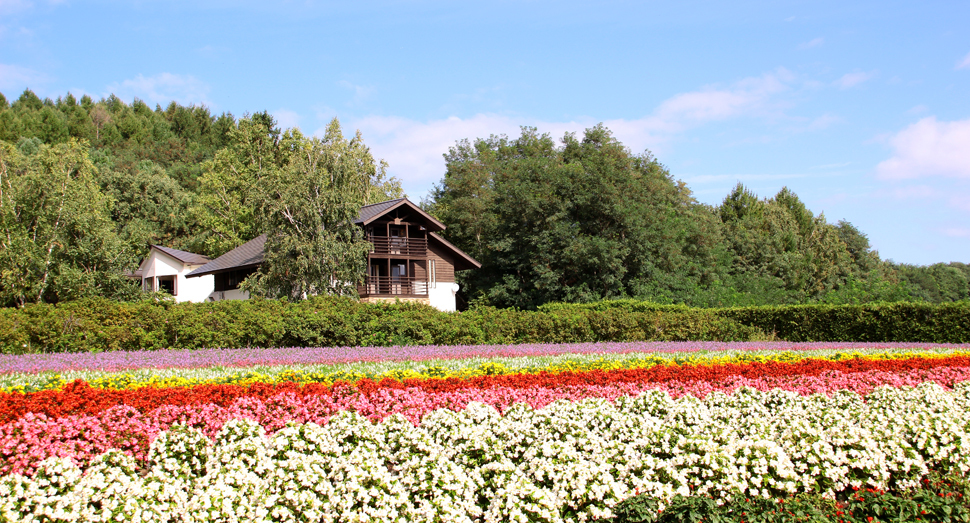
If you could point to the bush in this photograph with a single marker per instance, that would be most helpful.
(97, 325)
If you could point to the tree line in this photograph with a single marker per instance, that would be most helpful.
(86, 186)
(584, 219)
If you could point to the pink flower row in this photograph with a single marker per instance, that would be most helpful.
(33, 438)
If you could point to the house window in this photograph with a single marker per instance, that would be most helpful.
(230, 280)
(167, 284)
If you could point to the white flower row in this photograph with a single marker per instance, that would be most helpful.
(565, 462)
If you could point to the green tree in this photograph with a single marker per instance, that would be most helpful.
(56, 238)
(309, 206)
(581, 222)
(229, 188)
(148, 205)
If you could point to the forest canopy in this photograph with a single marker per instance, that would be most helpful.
(87, 185)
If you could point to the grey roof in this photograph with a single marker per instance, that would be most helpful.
(249, 254)
(369, 213)
(465, 262)
(190, 258)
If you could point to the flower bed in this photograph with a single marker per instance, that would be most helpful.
(544, 445)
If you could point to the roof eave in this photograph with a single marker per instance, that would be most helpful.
(411, 204)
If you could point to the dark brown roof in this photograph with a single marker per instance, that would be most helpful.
(249, 254)
(369, 213)
(464, 261)
(190, 258)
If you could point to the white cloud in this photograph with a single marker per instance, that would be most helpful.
(286, 118)
(162, 89)
(961, 202)
(965, 63)
(14, 6)
(17, 77)
(814, 42)
(414, 149)
(822, 122)
(929, 148)
(957, 232)
(361, 92)
(853, 79)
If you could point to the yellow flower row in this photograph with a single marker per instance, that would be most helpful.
(409, 370)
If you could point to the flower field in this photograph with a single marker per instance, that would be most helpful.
(489, 433)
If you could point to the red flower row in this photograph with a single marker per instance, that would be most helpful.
(79, 398)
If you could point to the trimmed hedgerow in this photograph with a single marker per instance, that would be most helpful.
(101, 325)
(876, 322)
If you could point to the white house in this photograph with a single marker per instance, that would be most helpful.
(166, 269)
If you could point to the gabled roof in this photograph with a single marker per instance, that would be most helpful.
(369, 213)
(464, 261)
(186, 257)
(249, 254)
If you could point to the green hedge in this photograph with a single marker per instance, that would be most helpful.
(876, 322)
(103, 325)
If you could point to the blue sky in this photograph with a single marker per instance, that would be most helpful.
(862, 108)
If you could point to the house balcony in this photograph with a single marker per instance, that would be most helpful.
(399, 246)
(392, 286)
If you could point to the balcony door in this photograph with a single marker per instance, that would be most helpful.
(398, 239)
(399, 278)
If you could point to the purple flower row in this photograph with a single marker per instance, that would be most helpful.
(160, 359)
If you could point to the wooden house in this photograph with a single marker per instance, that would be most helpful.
(408, 260)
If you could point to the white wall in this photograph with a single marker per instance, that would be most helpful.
(195, 289)
(235, 294)
(187, 289)
(442, 296)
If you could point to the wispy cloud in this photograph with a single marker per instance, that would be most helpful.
(957, 232)
(832, 165)
(14, 6)
(814, 42)
(965, 63)
(414, 148)
(286, 119)
(162, 89)
(853, 79)
(720, 178)
(16, 77)
(361, 92)
(929, 148)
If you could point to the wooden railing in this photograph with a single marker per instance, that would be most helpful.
(393, 286)
(399, 245)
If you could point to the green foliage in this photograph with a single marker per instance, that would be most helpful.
(308, 210)
(229, 190)
(872, 322)
(938, 282)
(579, 220)
(56, 237)
(95, 325)
(582, 222)
(939, 500)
